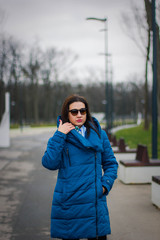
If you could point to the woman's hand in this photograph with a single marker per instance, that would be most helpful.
(66, 127)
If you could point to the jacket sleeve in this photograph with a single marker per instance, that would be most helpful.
(109, 164)
(53, 155)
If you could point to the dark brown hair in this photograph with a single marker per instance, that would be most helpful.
(65, 110)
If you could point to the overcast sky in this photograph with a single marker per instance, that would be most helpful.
(62, 24)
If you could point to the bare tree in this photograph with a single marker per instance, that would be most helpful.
(3, 72)
(55, 67)
(158, 53)
(148, 7)
(143, 21)
(31, 71)
(14, 77)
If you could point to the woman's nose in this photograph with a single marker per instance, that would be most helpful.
(79, 113)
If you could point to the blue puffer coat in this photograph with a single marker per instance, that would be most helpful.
(79, 208)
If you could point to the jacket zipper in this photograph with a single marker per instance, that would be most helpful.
(68, 157)
(96, 194)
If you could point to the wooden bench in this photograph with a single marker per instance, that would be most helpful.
(139, 170)
(114, 141)
(122, 147)
(142, 158)
(156, 190)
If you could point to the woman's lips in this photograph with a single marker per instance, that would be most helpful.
(79, 120)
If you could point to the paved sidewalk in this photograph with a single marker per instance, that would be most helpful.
(26, 193)
(115, 129)
(28, 131)
(132, 214)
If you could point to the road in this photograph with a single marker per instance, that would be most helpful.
(26, 190)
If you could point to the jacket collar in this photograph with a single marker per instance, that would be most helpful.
(92, 142)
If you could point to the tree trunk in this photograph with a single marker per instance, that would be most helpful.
(2, 99)
(35, 103)
(148, 6)
(146, 112)
(158, 67)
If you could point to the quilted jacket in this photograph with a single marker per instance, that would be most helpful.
(79, 207)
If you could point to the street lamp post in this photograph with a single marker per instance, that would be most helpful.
(112, 101)
(104, 20)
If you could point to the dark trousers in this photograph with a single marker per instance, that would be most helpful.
(99, 238)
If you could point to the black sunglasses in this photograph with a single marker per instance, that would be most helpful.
(74, 112)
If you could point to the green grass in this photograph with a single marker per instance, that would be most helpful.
(33, 125)
(138, 135)
(14, 126)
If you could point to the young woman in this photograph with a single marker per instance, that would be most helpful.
(80, 149)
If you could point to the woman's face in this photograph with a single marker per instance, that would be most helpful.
(80, 118)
